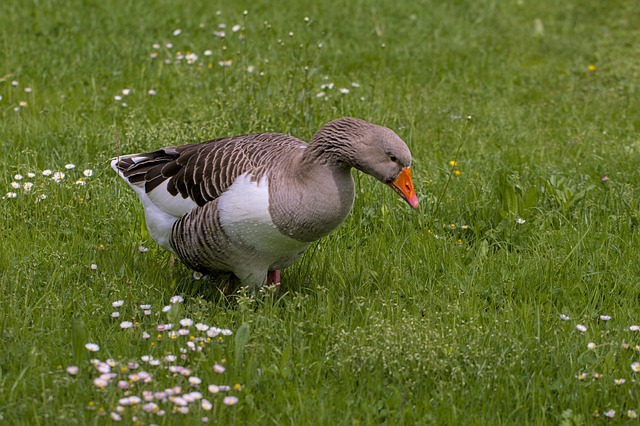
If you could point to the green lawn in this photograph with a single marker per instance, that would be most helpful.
(524, 122)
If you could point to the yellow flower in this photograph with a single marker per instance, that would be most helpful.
(591, 67)
(457, 172)
(453, 163)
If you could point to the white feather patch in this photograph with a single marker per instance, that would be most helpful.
(173, 205)
(245, 217)
(161, 209)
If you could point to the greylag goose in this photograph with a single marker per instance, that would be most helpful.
(252, 204)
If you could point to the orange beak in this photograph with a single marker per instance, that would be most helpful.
(403, 185)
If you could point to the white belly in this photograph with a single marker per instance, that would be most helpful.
(245, 218)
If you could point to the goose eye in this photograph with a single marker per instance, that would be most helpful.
(393, 158)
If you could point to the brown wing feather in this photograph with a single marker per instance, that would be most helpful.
(204, 171)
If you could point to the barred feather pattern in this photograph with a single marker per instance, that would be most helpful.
(204, 171)
(200, 242)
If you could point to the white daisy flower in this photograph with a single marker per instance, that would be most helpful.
(150, 407)
(213, 331)
(230, 400)
(92, 347)
(191, 58)
(100, 382)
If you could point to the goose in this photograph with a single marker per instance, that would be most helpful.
(250, 205)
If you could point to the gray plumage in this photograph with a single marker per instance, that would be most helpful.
(253, 203)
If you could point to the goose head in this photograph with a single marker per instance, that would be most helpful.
(375, 150)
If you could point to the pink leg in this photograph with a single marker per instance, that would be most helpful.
(273, 277)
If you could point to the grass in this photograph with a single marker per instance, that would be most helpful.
(514, 111)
